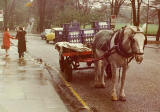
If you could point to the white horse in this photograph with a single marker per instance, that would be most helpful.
(116, 50)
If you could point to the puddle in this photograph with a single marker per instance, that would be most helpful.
(1, 71)
(2, 63)
(7, 59)
(22, 62)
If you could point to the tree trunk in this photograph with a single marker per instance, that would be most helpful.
(134, 13)
(11, 15)
(158, 32)
(115, 6)
(112, 7)
(42, 4)
(116, 10)
(6, 14)
(138, 13)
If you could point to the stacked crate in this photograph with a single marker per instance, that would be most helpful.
(71, 27)
(72, 33)
(59, 36)
(87, 35)
(98, 26)
(74, 37)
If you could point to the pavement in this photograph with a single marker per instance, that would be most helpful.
(25, 86)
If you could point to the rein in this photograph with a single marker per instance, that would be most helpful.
(106, 54)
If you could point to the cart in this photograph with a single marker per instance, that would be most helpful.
(77, 48)
(70, 56)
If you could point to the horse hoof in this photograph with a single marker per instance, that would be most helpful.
(99, 85)
(96, 85)
(102, 85)
(114, 98)
(122, 98)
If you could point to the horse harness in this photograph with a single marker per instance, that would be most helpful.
(118, 48)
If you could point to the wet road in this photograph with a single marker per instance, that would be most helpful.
(25, 85)
(142, 81)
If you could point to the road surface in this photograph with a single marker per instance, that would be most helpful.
(142, 82)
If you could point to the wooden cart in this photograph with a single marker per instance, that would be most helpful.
(71, 56)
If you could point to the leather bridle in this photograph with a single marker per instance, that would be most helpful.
(132, 41)
(119, 47)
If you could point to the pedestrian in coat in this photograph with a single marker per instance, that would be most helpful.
(21, 42)
(6, 40)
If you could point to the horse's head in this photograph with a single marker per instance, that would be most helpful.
(136, 38)
(137, 42)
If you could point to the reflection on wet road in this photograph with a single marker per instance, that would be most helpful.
(25, 86)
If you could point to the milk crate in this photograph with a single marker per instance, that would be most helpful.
(74, 36)
(71, 26)
(87, 35)
(59, 36)
(102, 25)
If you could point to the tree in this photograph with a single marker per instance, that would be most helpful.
(156, 5)
(69, 10)
(41, 10)
(8, 7)
(158, 32)
(115, 6)
(136, 13)
(14, 16)
(6, 13)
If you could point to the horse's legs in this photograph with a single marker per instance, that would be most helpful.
(96, 79)
(122, 94)
(99, 69)
(103, 66)
(114, 92)
(99, 77)
(96, 73)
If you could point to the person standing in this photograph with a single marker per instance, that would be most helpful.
(6, 40)
(21, 42)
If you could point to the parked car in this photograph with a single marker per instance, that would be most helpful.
(51, 36)
(44, 33)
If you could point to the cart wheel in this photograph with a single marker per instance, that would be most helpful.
(54, 41)
(89, 64)
(61, 63)
(47, 41)
(68, 72)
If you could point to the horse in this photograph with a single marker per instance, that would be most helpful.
(114, 50)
